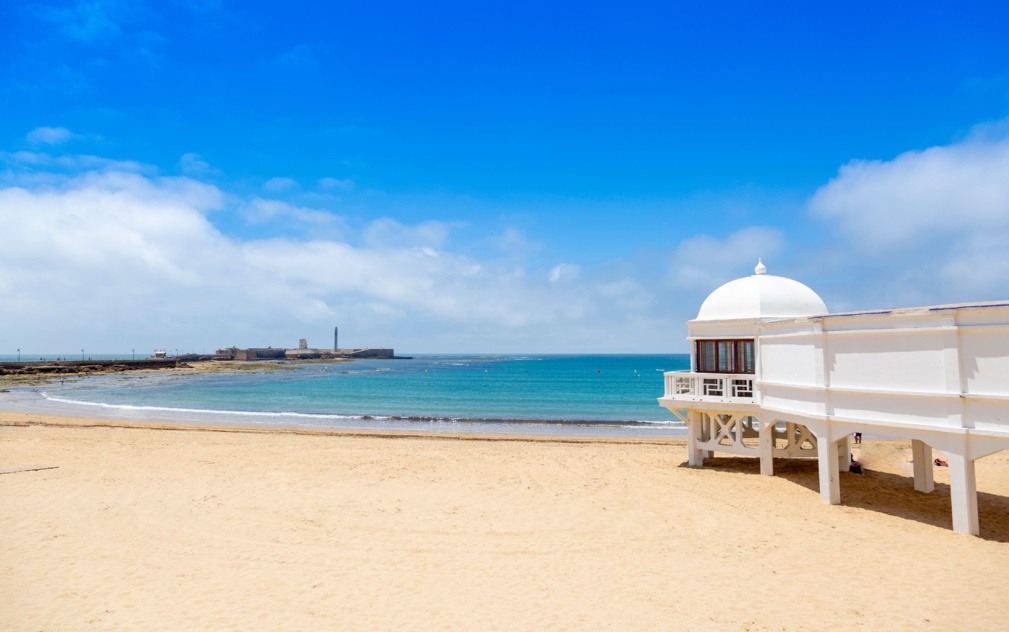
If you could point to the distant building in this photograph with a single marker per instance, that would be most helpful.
(303, 352)
(235, 353)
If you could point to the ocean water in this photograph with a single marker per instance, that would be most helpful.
(548, 394)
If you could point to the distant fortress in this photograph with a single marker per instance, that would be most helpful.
(304, 353)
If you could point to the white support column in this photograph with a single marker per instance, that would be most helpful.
(830, 484)
(694, 457)
(921, 454)
(844, 454)
(963, 494)
(766, 447)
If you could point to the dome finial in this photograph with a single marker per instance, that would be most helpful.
(761, 268)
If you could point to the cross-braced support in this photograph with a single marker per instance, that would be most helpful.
(747, 435)
(735, 433)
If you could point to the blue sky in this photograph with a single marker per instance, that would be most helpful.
(524, 177)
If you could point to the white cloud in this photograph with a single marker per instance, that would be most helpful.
(387, 233)
(514, 242)
(564, 272)
(194, 165)
(935, 193)
(279, 185)
(71, 163)
(627, 294)
(704, 262)
(314, 223)
(330, 184)
(980, 269)
(49, 135)
(141, 262)
(927, 227)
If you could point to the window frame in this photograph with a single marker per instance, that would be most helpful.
(730, 353)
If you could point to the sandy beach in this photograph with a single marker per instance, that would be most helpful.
(157, 527)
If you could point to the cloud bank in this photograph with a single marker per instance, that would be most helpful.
(109, 255)
(935, 192)
(112, 260)
(928, 226)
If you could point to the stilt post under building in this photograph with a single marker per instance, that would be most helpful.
(921, 455)
(963, 494)
(767, 447)
(695, 458)
(828, 461)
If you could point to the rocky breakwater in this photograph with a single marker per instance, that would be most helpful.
(13, 373)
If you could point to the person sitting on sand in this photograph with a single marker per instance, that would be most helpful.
(855, 467)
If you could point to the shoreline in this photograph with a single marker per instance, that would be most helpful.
(12, 419)
(32, 400)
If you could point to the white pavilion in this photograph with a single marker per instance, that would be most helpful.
(774, 375)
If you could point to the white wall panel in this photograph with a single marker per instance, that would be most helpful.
(788, 361)
(894, 408)
(800, 401)
(984, 360)
(991, 414)
(892, 361)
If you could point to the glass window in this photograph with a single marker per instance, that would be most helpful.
(725, 356)
(706, 356)
(743, 351)
(725, 359)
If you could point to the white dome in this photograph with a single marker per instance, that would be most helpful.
(761, 296)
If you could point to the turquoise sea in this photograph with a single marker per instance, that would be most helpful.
(530, 394)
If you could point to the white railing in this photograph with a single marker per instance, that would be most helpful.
(719, 387)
